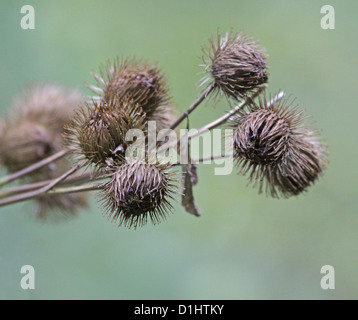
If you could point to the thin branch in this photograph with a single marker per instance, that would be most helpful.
(214, 157)
(16, 175)
(82, 188)
(80, 178)
(201, 160)
(193, 106)
(32, 194)
(232, 112)
(218, 121)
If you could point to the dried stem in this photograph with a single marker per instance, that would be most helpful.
(23, 172)
(231, 113)
(214, 157)
(193, 106)
(201, 160)
(35, 193)
(82, 188)
(80, 178)
(222, 119)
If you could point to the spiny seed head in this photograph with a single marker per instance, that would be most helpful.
(261, 136)
(48, 104)
(64, 205)
(33, 132)
(55, 207)
(236, 63)
(97, 135)
(134, 79)
(139, 81)
(138, 191)
(35, 125)
(278, 150)
(303, 166)
(25, 143)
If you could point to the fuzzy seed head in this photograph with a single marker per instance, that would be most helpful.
(57, 207)
(35, 125)
(277, 148)
(138, 191)
(25, 143)
(64, 205)
(33, 132)
(48, 104)
(236, 64)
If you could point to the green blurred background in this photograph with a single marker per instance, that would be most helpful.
(245, 245)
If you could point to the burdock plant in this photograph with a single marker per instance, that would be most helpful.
(277, 148)
(60, 145)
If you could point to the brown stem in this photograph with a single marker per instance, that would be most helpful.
(214, 157)
(193, 106)
(85, 177)
(201, 160)
(220, 120)
(86, 187)
(229, 114)
(16, 175)
(32, 194)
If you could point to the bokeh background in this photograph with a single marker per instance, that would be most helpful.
(245, 245)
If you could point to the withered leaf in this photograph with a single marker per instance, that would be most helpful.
(189, 178)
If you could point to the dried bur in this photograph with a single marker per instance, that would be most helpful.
(277, 148)
(33, 132)
(139, 191)
(97, 133)
(139, 81)
(236, 65)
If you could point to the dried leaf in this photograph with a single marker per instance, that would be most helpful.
(189, 178)
(193, 174)
(188, 201)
